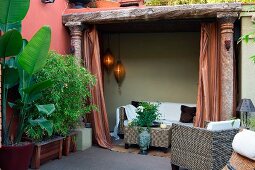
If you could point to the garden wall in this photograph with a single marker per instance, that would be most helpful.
(40, 14)
(159, 67)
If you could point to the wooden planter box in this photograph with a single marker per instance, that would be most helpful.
(45, 151)
(69, 143)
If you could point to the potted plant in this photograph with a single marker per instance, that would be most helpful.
(19, 63)
(80, 3)
(147, 113)
(72, 83)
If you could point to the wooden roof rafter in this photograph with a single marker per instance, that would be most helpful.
(152, 13)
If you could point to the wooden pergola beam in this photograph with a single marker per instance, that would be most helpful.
(119, 15)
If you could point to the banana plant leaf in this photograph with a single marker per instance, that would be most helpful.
(12, 11)
(43, 123)
(11, 73)
(10, 26)
(46, 109)
(38, 87)
(12, 77)
(34, 55)
(10, 43)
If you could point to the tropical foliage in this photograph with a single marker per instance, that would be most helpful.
(146, 114)
(69, 93)
(20, 61)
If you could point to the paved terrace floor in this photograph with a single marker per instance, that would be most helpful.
(96, 158)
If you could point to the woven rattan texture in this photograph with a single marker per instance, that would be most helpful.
(159, 137)
(200, 149)
(122, 118)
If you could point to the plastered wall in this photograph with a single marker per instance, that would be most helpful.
(246, 66)
(159, 67)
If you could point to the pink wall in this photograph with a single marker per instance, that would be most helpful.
(40, 14)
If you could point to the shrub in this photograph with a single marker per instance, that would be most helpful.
(69, 93)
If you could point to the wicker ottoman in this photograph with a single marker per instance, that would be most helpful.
(159, 137)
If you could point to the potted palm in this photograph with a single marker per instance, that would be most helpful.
(147, 113)
(19, 63)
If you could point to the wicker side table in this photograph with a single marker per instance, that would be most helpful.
(159, 137)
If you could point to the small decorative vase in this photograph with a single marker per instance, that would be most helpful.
(144, 141)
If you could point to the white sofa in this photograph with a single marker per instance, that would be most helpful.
(170, 113)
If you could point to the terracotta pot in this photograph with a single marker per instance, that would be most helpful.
(16, 157)
(46, 150)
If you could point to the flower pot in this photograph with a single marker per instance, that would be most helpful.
(69, 143)
(16, 157)
(46, 150)
(80, 3)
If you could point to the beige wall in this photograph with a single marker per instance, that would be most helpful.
(159, 67)
(246, 66)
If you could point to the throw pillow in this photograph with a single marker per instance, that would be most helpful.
(187, 114)
(135, 103)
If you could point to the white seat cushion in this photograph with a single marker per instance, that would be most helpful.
(172, 111)
(223, 125)
(244, 144)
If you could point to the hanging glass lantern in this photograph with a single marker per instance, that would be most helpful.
(108, 60)
(119, 72)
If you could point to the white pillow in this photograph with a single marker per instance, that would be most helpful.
(223, 125)
(244, 143)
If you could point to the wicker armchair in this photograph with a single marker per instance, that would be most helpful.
(122, 117)
(200, 149)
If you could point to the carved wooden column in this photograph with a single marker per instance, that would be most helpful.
(226, 24)
(76, 29)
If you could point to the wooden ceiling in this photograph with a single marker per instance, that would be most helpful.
(153, 26)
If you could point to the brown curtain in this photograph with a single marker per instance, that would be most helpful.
(92, 63)
(208, 99)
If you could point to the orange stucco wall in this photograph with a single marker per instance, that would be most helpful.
(40, 14)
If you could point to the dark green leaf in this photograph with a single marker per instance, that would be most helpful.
(12, 105)
(46, 109)
(10, 26)
(34, 55)
(38, 87)
(12, 11)
(11, 62)
(10, 43)
(11, 77)
(43, 123)
(34, 97)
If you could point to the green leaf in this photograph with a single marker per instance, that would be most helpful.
(11, 77)
(38, 87)
(253, 58)
(12, 11)
(46, 109)
(43, 123)
(34, 97)
(11, 63)
(10, 26)
(34, 55)
(10, 43)
(12, 105)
